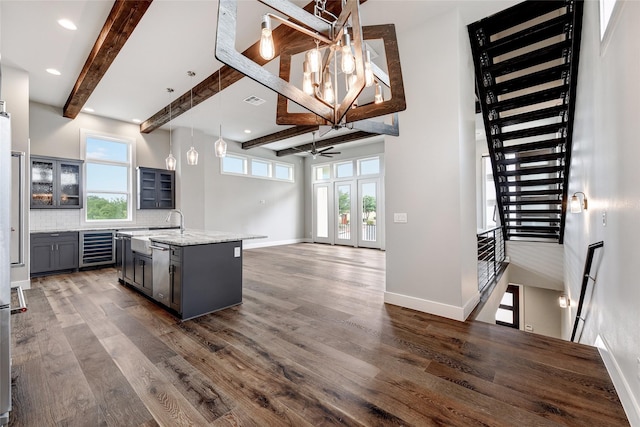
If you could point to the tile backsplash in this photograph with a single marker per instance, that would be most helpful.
(70, 219)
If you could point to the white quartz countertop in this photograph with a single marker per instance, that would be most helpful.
(190, 237)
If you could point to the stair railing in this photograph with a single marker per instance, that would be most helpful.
(491, 255)
(585, 282)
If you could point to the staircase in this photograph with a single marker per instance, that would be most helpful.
(526, 65)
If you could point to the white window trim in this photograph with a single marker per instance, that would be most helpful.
(131, 211)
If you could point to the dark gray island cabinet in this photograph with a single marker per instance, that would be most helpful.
(192, 274)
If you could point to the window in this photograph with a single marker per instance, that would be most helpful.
(260, 168)
(284, 172)
(344, 170)
(321, 173)
(606, 11)
(508, 313)
(108, 172)
(234, 164)
(256, 168)
(369, 166)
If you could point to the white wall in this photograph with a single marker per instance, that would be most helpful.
(605, 167)
(540, 311)
(214, 201)
(431, 174)
(53, 135)
(537, 264)
(488, 312)
(15, 91)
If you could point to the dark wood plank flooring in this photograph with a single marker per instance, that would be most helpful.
(312, 344)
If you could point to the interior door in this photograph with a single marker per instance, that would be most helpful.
(322, 213)
(369, 213)
(344, 212)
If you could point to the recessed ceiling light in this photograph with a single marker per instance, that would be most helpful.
(53, 71)
(136, 121)
(66, 23)
(247, 131)
(88, 110)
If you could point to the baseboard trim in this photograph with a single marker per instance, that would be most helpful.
(24, 284)
(628, 400)
(247, 244)
(432, 307)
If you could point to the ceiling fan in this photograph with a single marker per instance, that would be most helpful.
(325, 152)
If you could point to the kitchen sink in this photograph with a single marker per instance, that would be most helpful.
(141, 244)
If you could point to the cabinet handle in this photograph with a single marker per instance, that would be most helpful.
(52, 248)
(54, 235)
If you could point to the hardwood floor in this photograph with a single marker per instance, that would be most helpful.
(312, 344)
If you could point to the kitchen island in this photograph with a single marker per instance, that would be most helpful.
(191, 273)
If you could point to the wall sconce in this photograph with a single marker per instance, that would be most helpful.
(578, 205)
(564, 301)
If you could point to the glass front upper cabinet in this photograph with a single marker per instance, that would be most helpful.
(56, 183)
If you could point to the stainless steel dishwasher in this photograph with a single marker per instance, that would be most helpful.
(161, 287)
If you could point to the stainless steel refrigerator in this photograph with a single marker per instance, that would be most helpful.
(5, 266)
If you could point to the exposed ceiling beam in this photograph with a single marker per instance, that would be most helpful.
(336, 140)
(282, 36)
(278, 136)
(122, 20)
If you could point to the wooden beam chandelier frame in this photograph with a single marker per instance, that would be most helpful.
(329, 45)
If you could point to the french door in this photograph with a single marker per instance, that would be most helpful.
(347, 213)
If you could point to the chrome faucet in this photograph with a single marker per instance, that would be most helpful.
(181, 218)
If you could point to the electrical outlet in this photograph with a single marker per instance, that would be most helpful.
(400, 217)
(604, 219)
(236, 252)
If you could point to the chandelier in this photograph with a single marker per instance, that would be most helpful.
(336, 64)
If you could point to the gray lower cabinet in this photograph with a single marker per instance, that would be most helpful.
(206, 278)
(143, 273)
(54, 252)
(202, 278)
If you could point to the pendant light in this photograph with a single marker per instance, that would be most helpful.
(170, 160)
(220, 145)
(192, 154)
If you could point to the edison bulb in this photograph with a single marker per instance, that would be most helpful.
(267, 48)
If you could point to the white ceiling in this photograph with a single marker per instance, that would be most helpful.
(173, 37)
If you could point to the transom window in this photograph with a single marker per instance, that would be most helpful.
(108, 169)
(233, 164)
(369, 166)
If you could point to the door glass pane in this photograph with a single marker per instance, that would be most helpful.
(69, 185)
(322, 212)
(505, 316)
(344, 212)
(42, 183)
(369, 211)
(507, 299)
